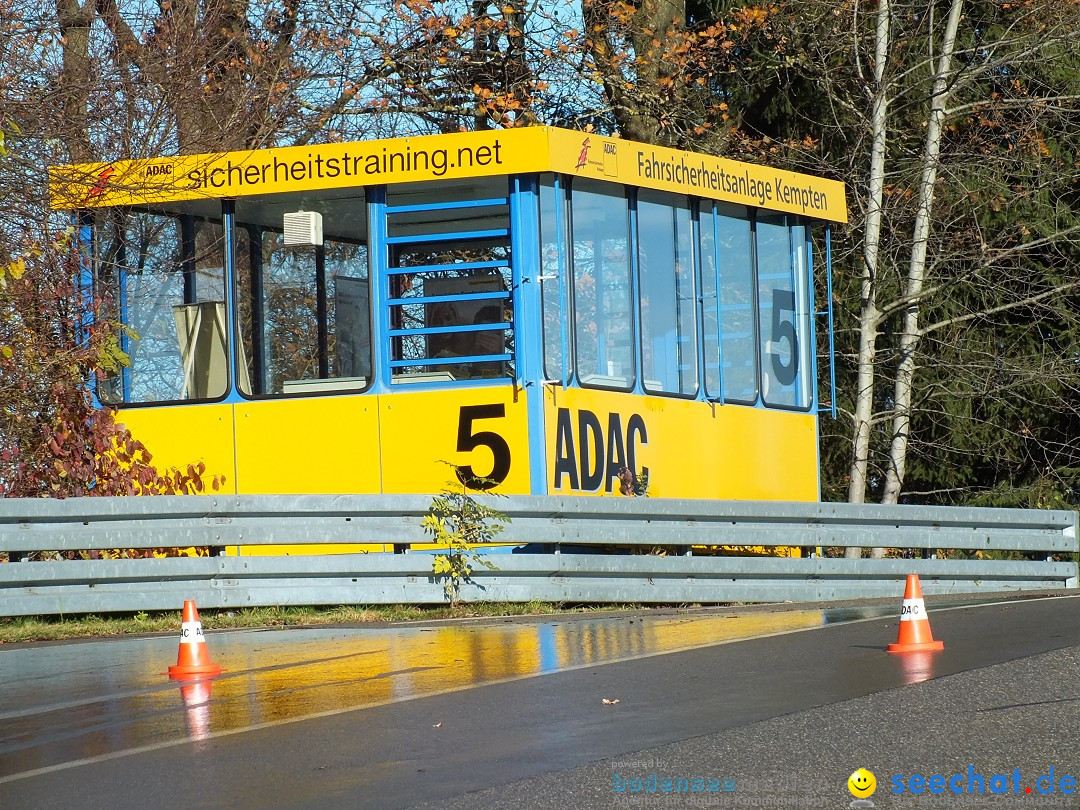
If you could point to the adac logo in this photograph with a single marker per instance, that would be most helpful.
(583, 157)
(100, 185)
(862, 785)
(158, 170)
(608, 161)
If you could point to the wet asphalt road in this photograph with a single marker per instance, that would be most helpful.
(508, 714)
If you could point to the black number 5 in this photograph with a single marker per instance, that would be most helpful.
(784, 301)
(467, 440)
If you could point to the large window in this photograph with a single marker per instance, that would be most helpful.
(553, 225)
(640, 291)
(449, 281)
(667, 295)
(603, 314)
(304, 310)
(710, 301)
(727, 296)
(784, 306)
(734, 306)
(162, 277)
(738, 353)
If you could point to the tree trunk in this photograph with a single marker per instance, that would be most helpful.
(909, 336)
(74, 21)
(868, 315)
(653, 21)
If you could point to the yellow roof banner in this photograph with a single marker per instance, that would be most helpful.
(298, 168)
(657, 167)
(443, 157)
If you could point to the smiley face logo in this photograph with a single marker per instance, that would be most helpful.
(862, 784)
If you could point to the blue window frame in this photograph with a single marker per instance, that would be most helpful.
(639, 290)
(725, 240)
(553, 279)
(449, 277)
(604, 342)
(163, 276)
(785, 333)
(728, 283)
(668, 299)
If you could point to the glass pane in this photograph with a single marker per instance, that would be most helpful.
(246, 240)
(783, 313)
(348, 310)
(552, 216)
(603, 324)
(737, 350)
(304, 311)
(290, 326)
(667, 300)
(177, 347)
(451, 313)
(710, 301)
(806, 382)
(454, 321)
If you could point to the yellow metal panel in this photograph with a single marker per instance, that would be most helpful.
(187, 434)
(300, 549)
(638, 164)
(316, 445)
(689, 449)
(421, 430)
(309, 446)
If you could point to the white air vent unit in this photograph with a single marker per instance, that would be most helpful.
(303, 228)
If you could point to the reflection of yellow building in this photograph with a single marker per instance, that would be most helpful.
(586, 643)
(287, 675)
(340, 670)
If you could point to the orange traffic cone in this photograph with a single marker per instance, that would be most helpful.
(915, 632)
(193, 658)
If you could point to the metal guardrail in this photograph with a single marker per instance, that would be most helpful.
(583, 550)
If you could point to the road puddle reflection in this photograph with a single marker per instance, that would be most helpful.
(916, 666)
(73, 702)
(196, 700)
